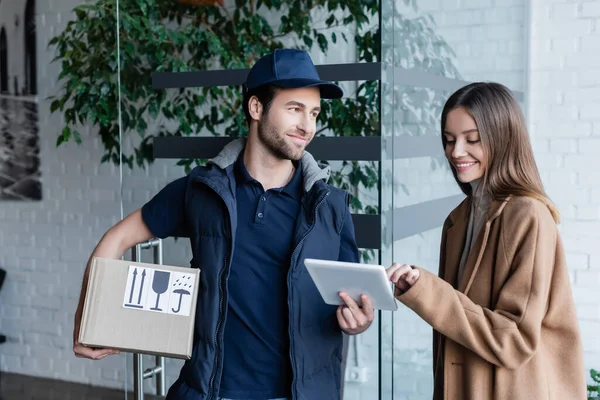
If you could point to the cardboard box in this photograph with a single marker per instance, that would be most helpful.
(139, 307)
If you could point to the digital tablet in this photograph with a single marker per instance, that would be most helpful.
(332, 277)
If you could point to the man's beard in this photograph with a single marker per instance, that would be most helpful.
(277, 144)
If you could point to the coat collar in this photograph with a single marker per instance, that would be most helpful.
(455, 242)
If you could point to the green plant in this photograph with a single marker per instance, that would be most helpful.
(594, 388)
(162, 35)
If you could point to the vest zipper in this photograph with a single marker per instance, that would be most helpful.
(211, 382)
(217, 347)
(290, 332)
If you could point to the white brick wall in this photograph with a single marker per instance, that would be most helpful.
(564, 110)
(486, 35)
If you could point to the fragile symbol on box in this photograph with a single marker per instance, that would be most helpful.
(150, 289)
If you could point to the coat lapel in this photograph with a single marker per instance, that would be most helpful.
(455, 240)
(458, 238)
(474, 258)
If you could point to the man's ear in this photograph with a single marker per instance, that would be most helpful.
(255, 108)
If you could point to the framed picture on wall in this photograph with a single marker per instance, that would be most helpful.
(19, 131)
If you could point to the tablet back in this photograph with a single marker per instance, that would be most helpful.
(332, 277)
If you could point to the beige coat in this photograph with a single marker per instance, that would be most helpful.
(508, 330)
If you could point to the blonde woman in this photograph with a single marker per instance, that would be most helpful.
(502, 310)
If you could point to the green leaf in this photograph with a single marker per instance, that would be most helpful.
(53, 41)
(66, 133)
(322, 40)
(81, 14)
(59, 140)
(141, 127)
(104, 89)
(153, 109)
(308, 41)
(54, 106)
(77, 137)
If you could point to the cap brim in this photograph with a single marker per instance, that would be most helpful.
(328, 90)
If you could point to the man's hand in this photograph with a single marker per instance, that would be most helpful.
(82, 351)
(402, 276)
(352, 318)
(118, 239)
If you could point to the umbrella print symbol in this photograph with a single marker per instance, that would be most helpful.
(181, 292)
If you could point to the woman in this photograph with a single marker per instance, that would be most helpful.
(502, 310)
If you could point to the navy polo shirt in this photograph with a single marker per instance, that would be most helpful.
(256, 338)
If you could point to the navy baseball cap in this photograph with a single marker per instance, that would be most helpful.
(291, 69)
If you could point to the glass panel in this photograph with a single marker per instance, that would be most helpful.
(140, 184)
(387, 116)
(145, 47)
(424, 190)
(361, 379)
(418, 180)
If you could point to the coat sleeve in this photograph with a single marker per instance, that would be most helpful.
(508, 335)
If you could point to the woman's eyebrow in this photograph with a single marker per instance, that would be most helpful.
(463, 132)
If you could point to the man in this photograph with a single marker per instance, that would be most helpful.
(253, 214)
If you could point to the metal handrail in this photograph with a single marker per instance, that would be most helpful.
(138, 366)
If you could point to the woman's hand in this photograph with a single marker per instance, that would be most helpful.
(403, 276)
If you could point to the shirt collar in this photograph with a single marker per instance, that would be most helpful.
(241, 173)
(293, 187)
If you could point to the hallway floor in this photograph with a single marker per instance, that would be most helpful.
(21, 387)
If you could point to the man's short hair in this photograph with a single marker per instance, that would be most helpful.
(265, 95)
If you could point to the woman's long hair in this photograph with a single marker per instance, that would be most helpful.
(511, 167)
